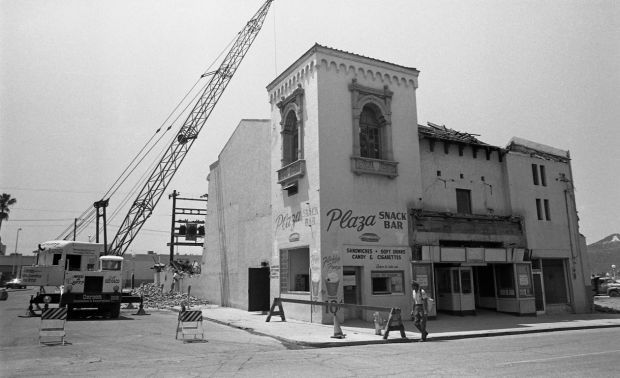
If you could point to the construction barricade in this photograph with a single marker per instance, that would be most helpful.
(395, 323)
(190, 324)
(394, 320)
(52, 329)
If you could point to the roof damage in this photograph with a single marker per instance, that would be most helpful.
(434, 131)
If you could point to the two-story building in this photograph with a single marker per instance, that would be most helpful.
(341, 196)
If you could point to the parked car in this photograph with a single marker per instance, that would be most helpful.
(607, 286)
(15, 283)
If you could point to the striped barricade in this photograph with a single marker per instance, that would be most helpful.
(190, 324)
(52, 329)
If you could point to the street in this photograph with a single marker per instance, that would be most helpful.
(145, 346)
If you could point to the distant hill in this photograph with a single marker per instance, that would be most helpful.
(604, 253)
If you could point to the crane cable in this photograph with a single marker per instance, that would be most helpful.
(87, 217)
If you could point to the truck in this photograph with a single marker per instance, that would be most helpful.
(606, 286)
(84, 278)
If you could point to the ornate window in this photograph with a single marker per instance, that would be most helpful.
(292, 132)
(372, 131)
(290, 139)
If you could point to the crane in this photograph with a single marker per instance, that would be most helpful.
(154, 187)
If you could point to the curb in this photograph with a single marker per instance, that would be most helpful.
(478, 334)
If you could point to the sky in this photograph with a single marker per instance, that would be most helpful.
(84, 84)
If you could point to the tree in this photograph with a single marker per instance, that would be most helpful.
(5, 203)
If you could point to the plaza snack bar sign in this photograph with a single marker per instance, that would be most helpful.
(347, 219)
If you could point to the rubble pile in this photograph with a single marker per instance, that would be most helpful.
(153, 297)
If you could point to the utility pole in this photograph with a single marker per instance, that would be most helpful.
(174, 196)
(102, 204)
(190, 229)
(74, 227)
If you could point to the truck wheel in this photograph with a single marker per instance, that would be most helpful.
(115, 311)
(614, 293)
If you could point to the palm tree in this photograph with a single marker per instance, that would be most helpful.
(5, 202)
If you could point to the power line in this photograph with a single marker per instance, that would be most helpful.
(49, 190)
(45, 210)
(42, 220)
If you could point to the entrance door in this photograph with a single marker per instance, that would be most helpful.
(539, 293)
(351, 290)
(258, 289)
(455, 290)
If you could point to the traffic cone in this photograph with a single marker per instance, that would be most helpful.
(337, 330)
(141, 309)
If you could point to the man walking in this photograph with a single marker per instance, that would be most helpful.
(420, 309)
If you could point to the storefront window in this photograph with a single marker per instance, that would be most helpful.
(524, 274)
(388, 282)
(443, 281)
(466, 281)
(504, 276)
(456, 283)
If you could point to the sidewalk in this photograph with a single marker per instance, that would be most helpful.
(445, 327)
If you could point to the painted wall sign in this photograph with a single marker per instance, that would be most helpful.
(382, 257)
(274, 271)
(315, 274)
(286, 221)
(376, 253)
(346, 219)
(332, 272)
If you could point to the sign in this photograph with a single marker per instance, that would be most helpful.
(381, 257)
(348, 280)
(422, 279)
(347, 219)
(42, 275)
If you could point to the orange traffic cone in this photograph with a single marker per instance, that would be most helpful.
(337, 330)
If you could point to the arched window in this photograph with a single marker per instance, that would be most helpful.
(370, 134)
(290, 140)
(371, 111)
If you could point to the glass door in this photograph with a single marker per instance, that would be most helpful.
(455, 290)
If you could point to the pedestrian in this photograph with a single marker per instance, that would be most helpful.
(420, 309)
(175, 280)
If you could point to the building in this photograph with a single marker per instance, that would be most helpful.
(11, 265)
(136, 267)
(344, 197)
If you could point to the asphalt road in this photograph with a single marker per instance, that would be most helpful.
(141, 346)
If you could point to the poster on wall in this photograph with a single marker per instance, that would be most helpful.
(332, 273)
(315, 274)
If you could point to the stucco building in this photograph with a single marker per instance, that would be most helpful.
(342, 196)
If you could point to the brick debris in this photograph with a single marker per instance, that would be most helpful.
(153, 297)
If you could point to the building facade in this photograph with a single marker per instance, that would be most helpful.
(359, 200)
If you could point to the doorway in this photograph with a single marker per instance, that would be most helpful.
(258, 289)
(539, 293)
(455, 290)
(351, 289)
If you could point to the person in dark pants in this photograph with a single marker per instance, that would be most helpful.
(420, 309)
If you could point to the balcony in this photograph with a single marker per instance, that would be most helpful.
(362, 165)
(291, 172)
